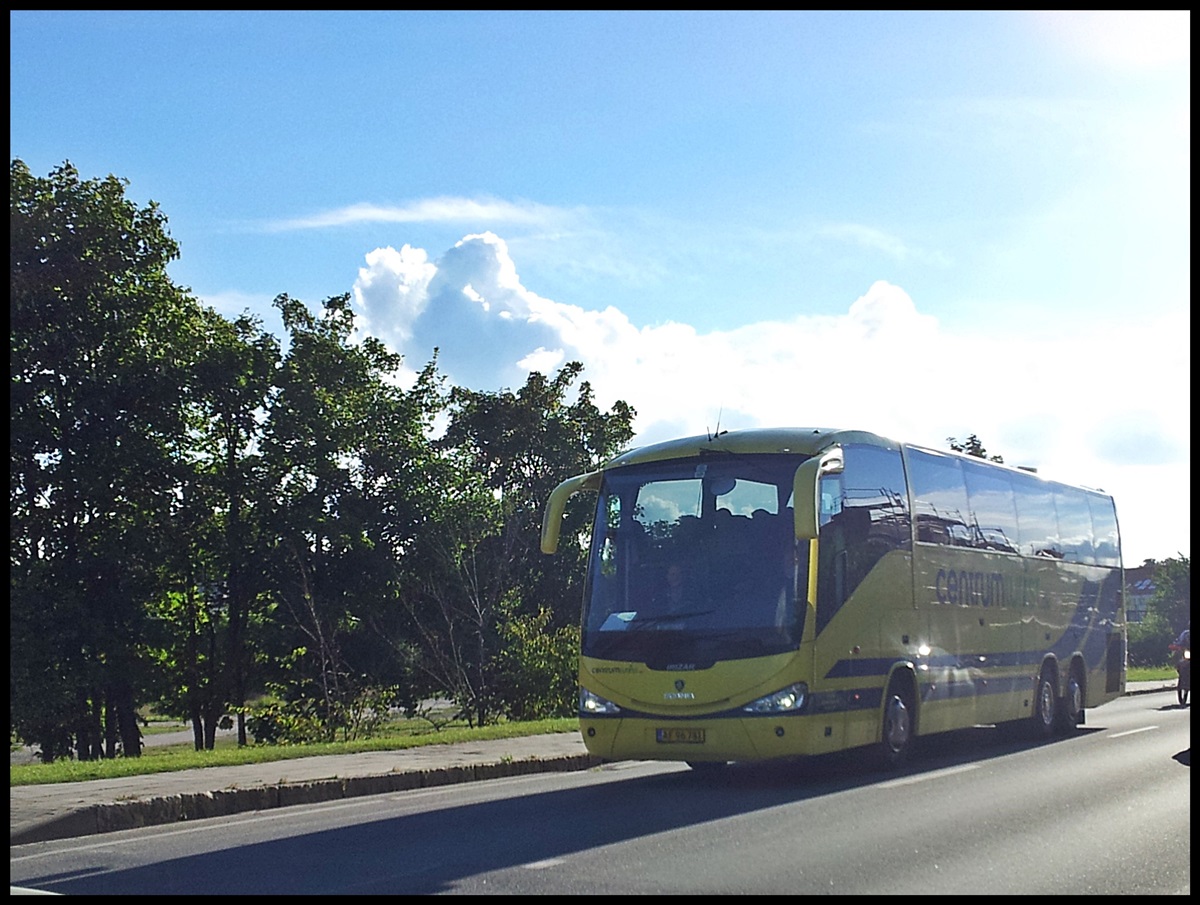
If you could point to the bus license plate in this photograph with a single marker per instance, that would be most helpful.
(680, 736)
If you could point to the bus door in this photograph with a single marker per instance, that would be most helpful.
(865, 618)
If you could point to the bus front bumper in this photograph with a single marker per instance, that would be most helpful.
(750, 738)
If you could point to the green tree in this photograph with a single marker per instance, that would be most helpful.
(507, 451)
(520, 445)
(101, 341)
(346, 450)
(195, 515)
(972, 446)
(1168, 612)
(1172, 600)
(221, 594)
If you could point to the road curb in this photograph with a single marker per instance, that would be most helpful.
(125, 815)
(1166, 686)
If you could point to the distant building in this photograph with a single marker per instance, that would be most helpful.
(1139, 589)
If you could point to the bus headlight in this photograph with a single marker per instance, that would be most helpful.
(786, 700)
(594, 705)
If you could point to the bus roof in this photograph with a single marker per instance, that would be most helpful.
(807, 441)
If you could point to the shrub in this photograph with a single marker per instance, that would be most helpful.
(1148, 641)
(538, 667)
(306, 720)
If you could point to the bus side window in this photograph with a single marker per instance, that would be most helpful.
(991, 508)
(1106, 538)
(1074, 525)
(1037, 523)
(939, 498)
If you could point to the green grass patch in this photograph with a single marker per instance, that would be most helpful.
(1149, 673)
(169, 758)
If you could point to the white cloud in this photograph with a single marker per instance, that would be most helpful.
(432, 210)
(391, 292)
(547, 361)
(1086, 406)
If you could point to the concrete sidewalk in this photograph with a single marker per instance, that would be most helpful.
(64, 810)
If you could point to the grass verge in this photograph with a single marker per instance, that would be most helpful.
(169, 758)
(1150, 674)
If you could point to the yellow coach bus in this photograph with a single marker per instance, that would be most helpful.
(778, 593)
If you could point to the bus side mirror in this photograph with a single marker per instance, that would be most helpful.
(806, 498)
(557, 505)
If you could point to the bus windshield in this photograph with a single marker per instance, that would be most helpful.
(695, 561)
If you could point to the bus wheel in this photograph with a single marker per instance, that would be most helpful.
(1044, 708)
(1070, 710)
(899, 725)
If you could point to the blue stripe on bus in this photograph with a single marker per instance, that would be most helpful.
(1089, 631)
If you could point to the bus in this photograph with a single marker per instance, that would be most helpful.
(782, 593)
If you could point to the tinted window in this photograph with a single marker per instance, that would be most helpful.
(1074, 524)
(1104, 530)
(1037, 522)
(993, 515)
(939, 498)
(874, 482)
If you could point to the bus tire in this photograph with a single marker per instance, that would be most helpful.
(1070, 706)
(1045, 706)
(899, 724)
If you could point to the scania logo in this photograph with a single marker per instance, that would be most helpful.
(679, 694)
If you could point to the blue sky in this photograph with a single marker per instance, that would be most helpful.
(923, 224)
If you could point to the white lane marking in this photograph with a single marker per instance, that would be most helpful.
(1132, 732)
(542, 865)
(923, 777)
